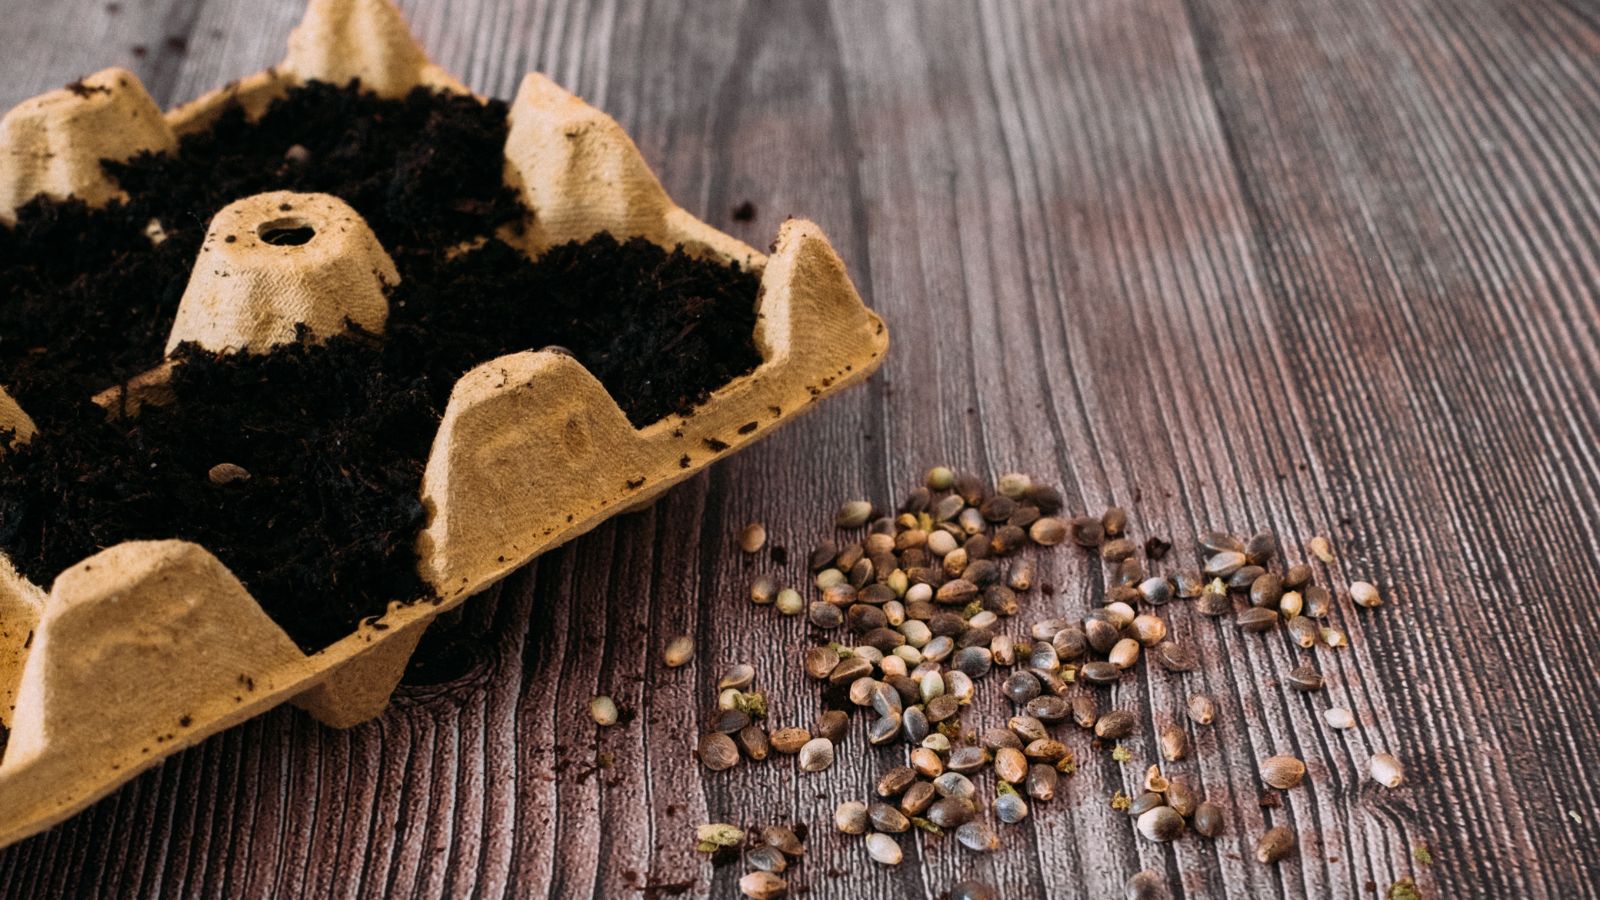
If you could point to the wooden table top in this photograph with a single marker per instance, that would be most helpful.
(1319, 267)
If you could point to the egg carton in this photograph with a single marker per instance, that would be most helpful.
(149, 647)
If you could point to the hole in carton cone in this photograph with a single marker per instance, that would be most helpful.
(289, 232)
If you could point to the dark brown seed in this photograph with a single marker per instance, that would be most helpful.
(1189, 584)
(877, 594)
(849, 669)
(832, 725)
(1223, 564)
(1144, 803)
(861, 618)
(1213, 604)
(1261, 547)
(1020, 687)
(997, 508)
(1100, 672)
(783, 839)
(1042, 780)
(1266, 590)
(998, 738)
(883, 639)
(729, 721)
(1208, 819)
(1156, 549)
(1318, 601)
(824, 615)
(1276, 844)
(917, 798)
(914, 724)
(849, 557)
(982, 572)
(1001, 600)
(1282, 772)
(1181, 797)
(1009, 539)
(917, 500)
(1213, 542)
(887, 819)
(1176, 657)
(1086, 531)
(884, 729)
(894, 782)
(228, 473)
(1146, 885)
(1048, 708)
(1118, 723)
(971, 489)
(1116, 551)
(765, 859)
(967, 760)
(718, 751)
(1258, 620)
(1305, 678)
(1083, 711)
(823, 556)
(1303, 631)
(1047, 498)
(1102, 635)
(1297, 577)
(1053, 683)
(1244, 578)
(1024, 515)
(974, 637)
(951, 812)
(819, 661)
(1129, 572)
(1070, 643)
(941, 707)
(1124, 593)
(959, 592)
(1156, 591)
(753, 741)
(1114, 521)
(788, 741)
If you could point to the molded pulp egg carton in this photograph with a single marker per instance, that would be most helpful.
(151, 646)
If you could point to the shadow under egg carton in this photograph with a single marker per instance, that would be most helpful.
(150, 646)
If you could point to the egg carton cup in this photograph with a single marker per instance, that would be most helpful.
(149, 647)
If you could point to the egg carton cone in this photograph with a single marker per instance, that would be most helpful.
(149, 647)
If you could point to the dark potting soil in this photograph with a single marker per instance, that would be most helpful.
(334, 436)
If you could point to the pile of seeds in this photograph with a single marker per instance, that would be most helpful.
(926, 596)
(768, 854)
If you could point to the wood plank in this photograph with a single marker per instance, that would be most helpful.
(1316, 268)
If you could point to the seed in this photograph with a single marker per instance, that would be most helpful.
(1261, 547)
(767, 859)
(1339, 717)
(1214, 603)
(887, 819)
(1174, 743)
(825, 615)
(967, 760)
(1118, 613)
(1010, 808)
(917, 798)
(973, 890)
(955, 785)
(1146, 885)
(729, 721)
(1116, 551)
(959, 685)
(1320, 548)
(941, 543)
(1102, 635)
(718, 751)
(1223, 564)
(1202, 709)
(1364, 594)
(1118, 723)
(1003, 650)
(1098, 672)
(789, 740)
(1257, 620)
(784, 839)
(971, 521)
(1244, 578)
(830, 577)
(853, 514)
(604, 710)
(1208, 819)
(978, 837)
(227, 473)
(1083, 711)
(1027, 728)
(883, 849)
(1042, 781)
(849, 670)
(883, 729)
(1333, 637)
(1048, 708)
(1124, 654)
(975, 662)
(1276, 844)
(951, 812)
(850, 817)
(1156, 591)
(942, 708)
(1303, 632)
(678, 651)
(1296, 577)
(752, 739)
(1290, 604)
(1070, 643)
(1181, 797)
(1013, 485)
(1318, 601)
(1148, 630)
(738, 676)
(762, 590)
(1010, 764)
(1266, 590)
(1214, 542)
(940, 478)
(1161, 824)
(752, 537)
(1046, 750)
(816, 755)
(789, 602)
(1305, 678)
(761, 885)
(1282, 772)
(1386, 770)
(1176, 657)
(914, 724)
(1044, 657)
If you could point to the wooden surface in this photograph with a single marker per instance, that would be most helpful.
(1321, 267)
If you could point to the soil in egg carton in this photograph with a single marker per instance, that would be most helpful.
(334, 436)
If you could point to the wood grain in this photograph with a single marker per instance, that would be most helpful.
(1315, 267)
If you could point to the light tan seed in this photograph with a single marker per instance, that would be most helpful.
(762, 590)
(1320, 548)
(1124, 654)
(604, 710)
(1276, 844)
(738, 676)
(1365, 594)
(752, 537)
(1048, 531)
(788, 741)
(1339, 717)
(227, 473)
(1174, 743)
(760, 885)
(1148, 630)
(789, 602)
(853, 514)
(851, 817)
(678, 651)
(1386, 770)
(816, 755)
(883, 849)
(1282, 772)
(1202, 709)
